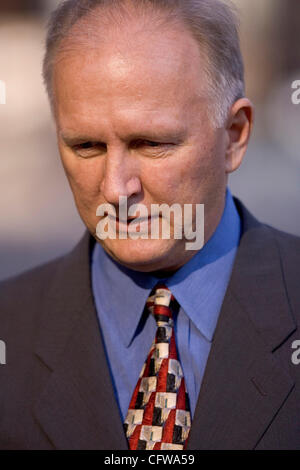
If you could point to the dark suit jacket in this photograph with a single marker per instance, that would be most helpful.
(56, 391)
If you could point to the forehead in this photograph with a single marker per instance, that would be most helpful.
(126, 70)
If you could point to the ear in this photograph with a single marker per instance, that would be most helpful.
(239, 126)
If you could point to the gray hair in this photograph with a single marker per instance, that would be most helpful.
(213, 23)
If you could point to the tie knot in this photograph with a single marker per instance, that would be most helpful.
(162, 303)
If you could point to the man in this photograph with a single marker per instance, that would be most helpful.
(148, 100)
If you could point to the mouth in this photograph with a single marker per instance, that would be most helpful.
(131, 224)
(131, 220)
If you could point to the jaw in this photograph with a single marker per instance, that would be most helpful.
(148, 255)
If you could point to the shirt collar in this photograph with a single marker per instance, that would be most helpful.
(200, 285)
(121, 289)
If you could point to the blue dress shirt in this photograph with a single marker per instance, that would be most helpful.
(199, 286)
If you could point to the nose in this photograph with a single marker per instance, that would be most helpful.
(120, 177)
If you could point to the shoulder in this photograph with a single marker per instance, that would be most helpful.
(289, 251)
(263, 246)
(22, 297)
(36, 281)
(29, 282)
(288, 246)
(272, 253)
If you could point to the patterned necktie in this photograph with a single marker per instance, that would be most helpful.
(159, 414)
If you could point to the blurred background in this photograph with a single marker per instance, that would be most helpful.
(38, 218)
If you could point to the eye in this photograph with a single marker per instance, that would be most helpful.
(148, 145)
(89, 149)
(86, 145)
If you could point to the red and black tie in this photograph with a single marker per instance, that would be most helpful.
(159, 413)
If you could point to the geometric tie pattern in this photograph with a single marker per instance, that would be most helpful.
(159, 413)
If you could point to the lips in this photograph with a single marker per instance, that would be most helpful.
(131, 225)
(137, 220)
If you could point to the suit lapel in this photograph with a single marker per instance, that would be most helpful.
(77, 408)
(244, 385)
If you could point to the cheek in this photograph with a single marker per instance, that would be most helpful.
(160, 181)
(84, 177)
(193, 175)
(181, 177)
(206, 165)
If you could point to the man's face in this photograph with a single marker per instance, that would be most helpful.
(134, 119)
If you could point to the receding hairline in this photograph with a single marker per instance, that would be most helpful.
(87, 34)
(79, 39)
(85, 31)
(216, 34)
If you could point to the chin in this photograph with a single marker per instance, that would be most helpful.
(141, 255)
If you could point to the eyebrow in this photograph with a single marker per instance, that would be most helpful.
(177, 135)
(72, 140)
